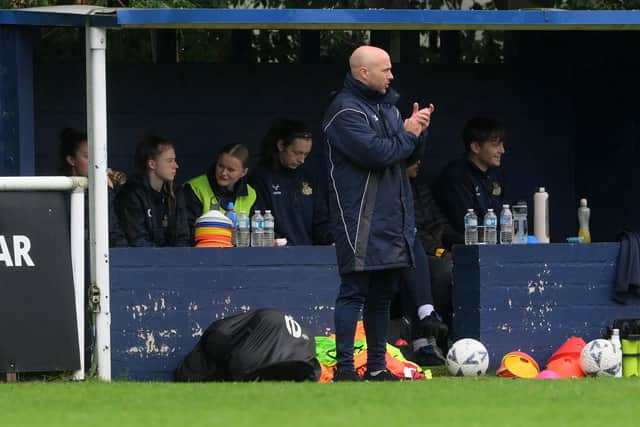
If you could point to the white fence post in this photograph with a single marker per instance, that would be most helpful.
(96, 45)
(77, 263)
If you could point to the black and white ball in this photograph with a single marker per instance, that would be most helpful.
(467, 358)
(599, 358)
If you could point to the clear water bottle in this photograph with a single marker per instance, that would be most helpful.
(520, 228)
(490, 228)
(231, 214)
(257, 230)
(615, 341)
(470, 228)
(506, 226)
(269, 234)
(243, 230)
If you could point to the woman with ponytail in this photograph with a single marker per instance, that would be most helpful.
(224, 182)
(74, 161)
(288, 189)
(146, 204)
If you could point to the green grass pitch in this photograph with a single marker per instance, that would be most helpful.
(441, 402)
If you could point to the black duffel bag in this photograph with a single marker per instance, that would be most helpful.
(260, 345)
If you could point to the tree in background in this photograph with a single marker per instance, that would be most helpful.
(598, 4)
(288, 46)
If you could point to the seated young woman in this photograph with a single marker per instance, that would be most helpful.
(146, 205)
(74, 161)
(224, 182)
(294, 196)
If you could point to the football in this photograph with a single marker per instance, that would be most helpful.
(467, 358)
(599, 358)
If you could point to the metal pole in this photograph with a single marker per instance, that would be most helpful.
(77, 262)
(96, 45)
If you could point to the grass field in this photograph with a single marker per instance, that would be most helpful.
(439, 402)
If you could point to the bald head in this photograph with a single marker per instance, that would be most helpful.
(365, 56)
(372, 67)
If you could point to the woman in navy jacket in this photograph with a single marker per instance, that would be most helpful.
(74, 161)
(293, 195)
(146, 204)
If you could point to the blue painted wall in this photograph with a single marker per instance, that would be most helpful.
(202, 107)
(605, 127)
(16, 102)
(567, 99)
(523, 297)
(8, 104)
(533, 297)
(163, 298)
(607, 154)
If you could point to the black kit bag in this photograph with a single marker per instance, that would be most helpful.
(260, 345)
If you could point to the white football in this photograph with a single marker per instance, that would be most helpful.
(467, 358)
(599, 358)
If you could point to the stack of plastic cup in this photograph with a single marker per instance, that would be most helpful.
(213, 230)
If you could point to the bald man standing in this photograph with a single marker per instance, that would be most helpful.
(371, 202)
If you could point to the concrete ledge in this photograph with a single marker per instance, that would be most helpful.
(533, 297)
(528, 297)
(163, 298)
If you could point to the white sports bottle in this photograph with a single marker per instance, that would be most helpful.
(541, 215)
(615, 340)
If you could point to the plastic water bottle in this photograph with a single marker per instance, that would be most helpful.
(490, 228)
(257, 229)
(242, 231)
(615, 341)
(520, 228)
(506, 226)
(269, 225)
(231, 214)
(470, 228)
(583, 220)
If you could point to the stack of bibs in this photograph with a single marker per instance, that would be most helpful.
(213, 230)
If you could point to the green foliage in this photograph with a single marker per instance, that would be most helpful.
(598, 4)
(162, 4)
(202, 46)
(18, 4)
(283, 46)
(301, 4)
(336, 46)
(276, 46)
(482, 47)
(187, 4)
